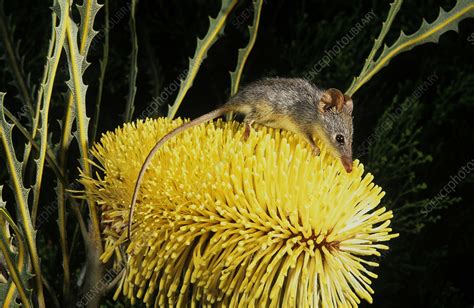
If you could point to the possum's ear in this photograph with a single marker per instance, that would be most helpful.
(348, 104)
(331, 98)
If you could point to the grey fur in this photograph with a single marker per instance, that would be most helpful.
(292, 104)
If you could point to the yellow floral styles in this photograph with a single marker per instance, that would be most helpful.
(225, 222)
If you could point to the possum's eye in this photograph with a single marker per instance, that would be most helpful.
(340, 139)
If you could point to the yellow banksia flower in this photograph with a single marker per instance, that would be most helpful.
(224, 222)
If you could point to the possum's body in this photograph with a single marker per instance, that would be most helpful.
(278, 102)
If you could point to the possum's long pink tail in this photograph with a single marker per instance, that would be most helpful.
(204, 118)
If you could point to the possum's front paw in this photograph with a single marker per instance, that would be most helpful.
(315, 150)
(248, 128)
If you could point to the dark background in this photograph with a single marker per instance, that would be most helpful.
(431, 263)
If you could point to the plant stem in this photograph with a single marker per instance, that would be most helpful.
(132, 81)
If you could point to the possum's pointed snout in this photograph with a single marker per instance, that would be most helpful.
(347, 163)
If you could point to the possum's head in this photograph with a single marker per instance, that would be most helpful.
(335, 111)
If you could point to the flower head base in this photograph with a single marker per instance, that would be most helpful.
(224, 221)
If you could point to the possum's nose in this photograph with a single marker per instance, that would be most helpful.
(347, 163)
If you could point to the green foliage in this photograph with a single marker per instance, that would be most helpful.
(24, 219)
(216, 27)
(15, 258)
(236, 75)
(428, 32)
(244, 53)
(394, 155)
(369, 62)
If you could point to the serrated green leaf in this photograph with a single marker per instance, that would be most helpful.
(77, 87)
(244, 53)
(78, 90)
(88, 11)
(16, 262)
(427, 33)
(386, 25)
(216, 27)
(21, 197)
(39, 99)
(32, 143)
(14, 166)
(61, 9)
(76, 53)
